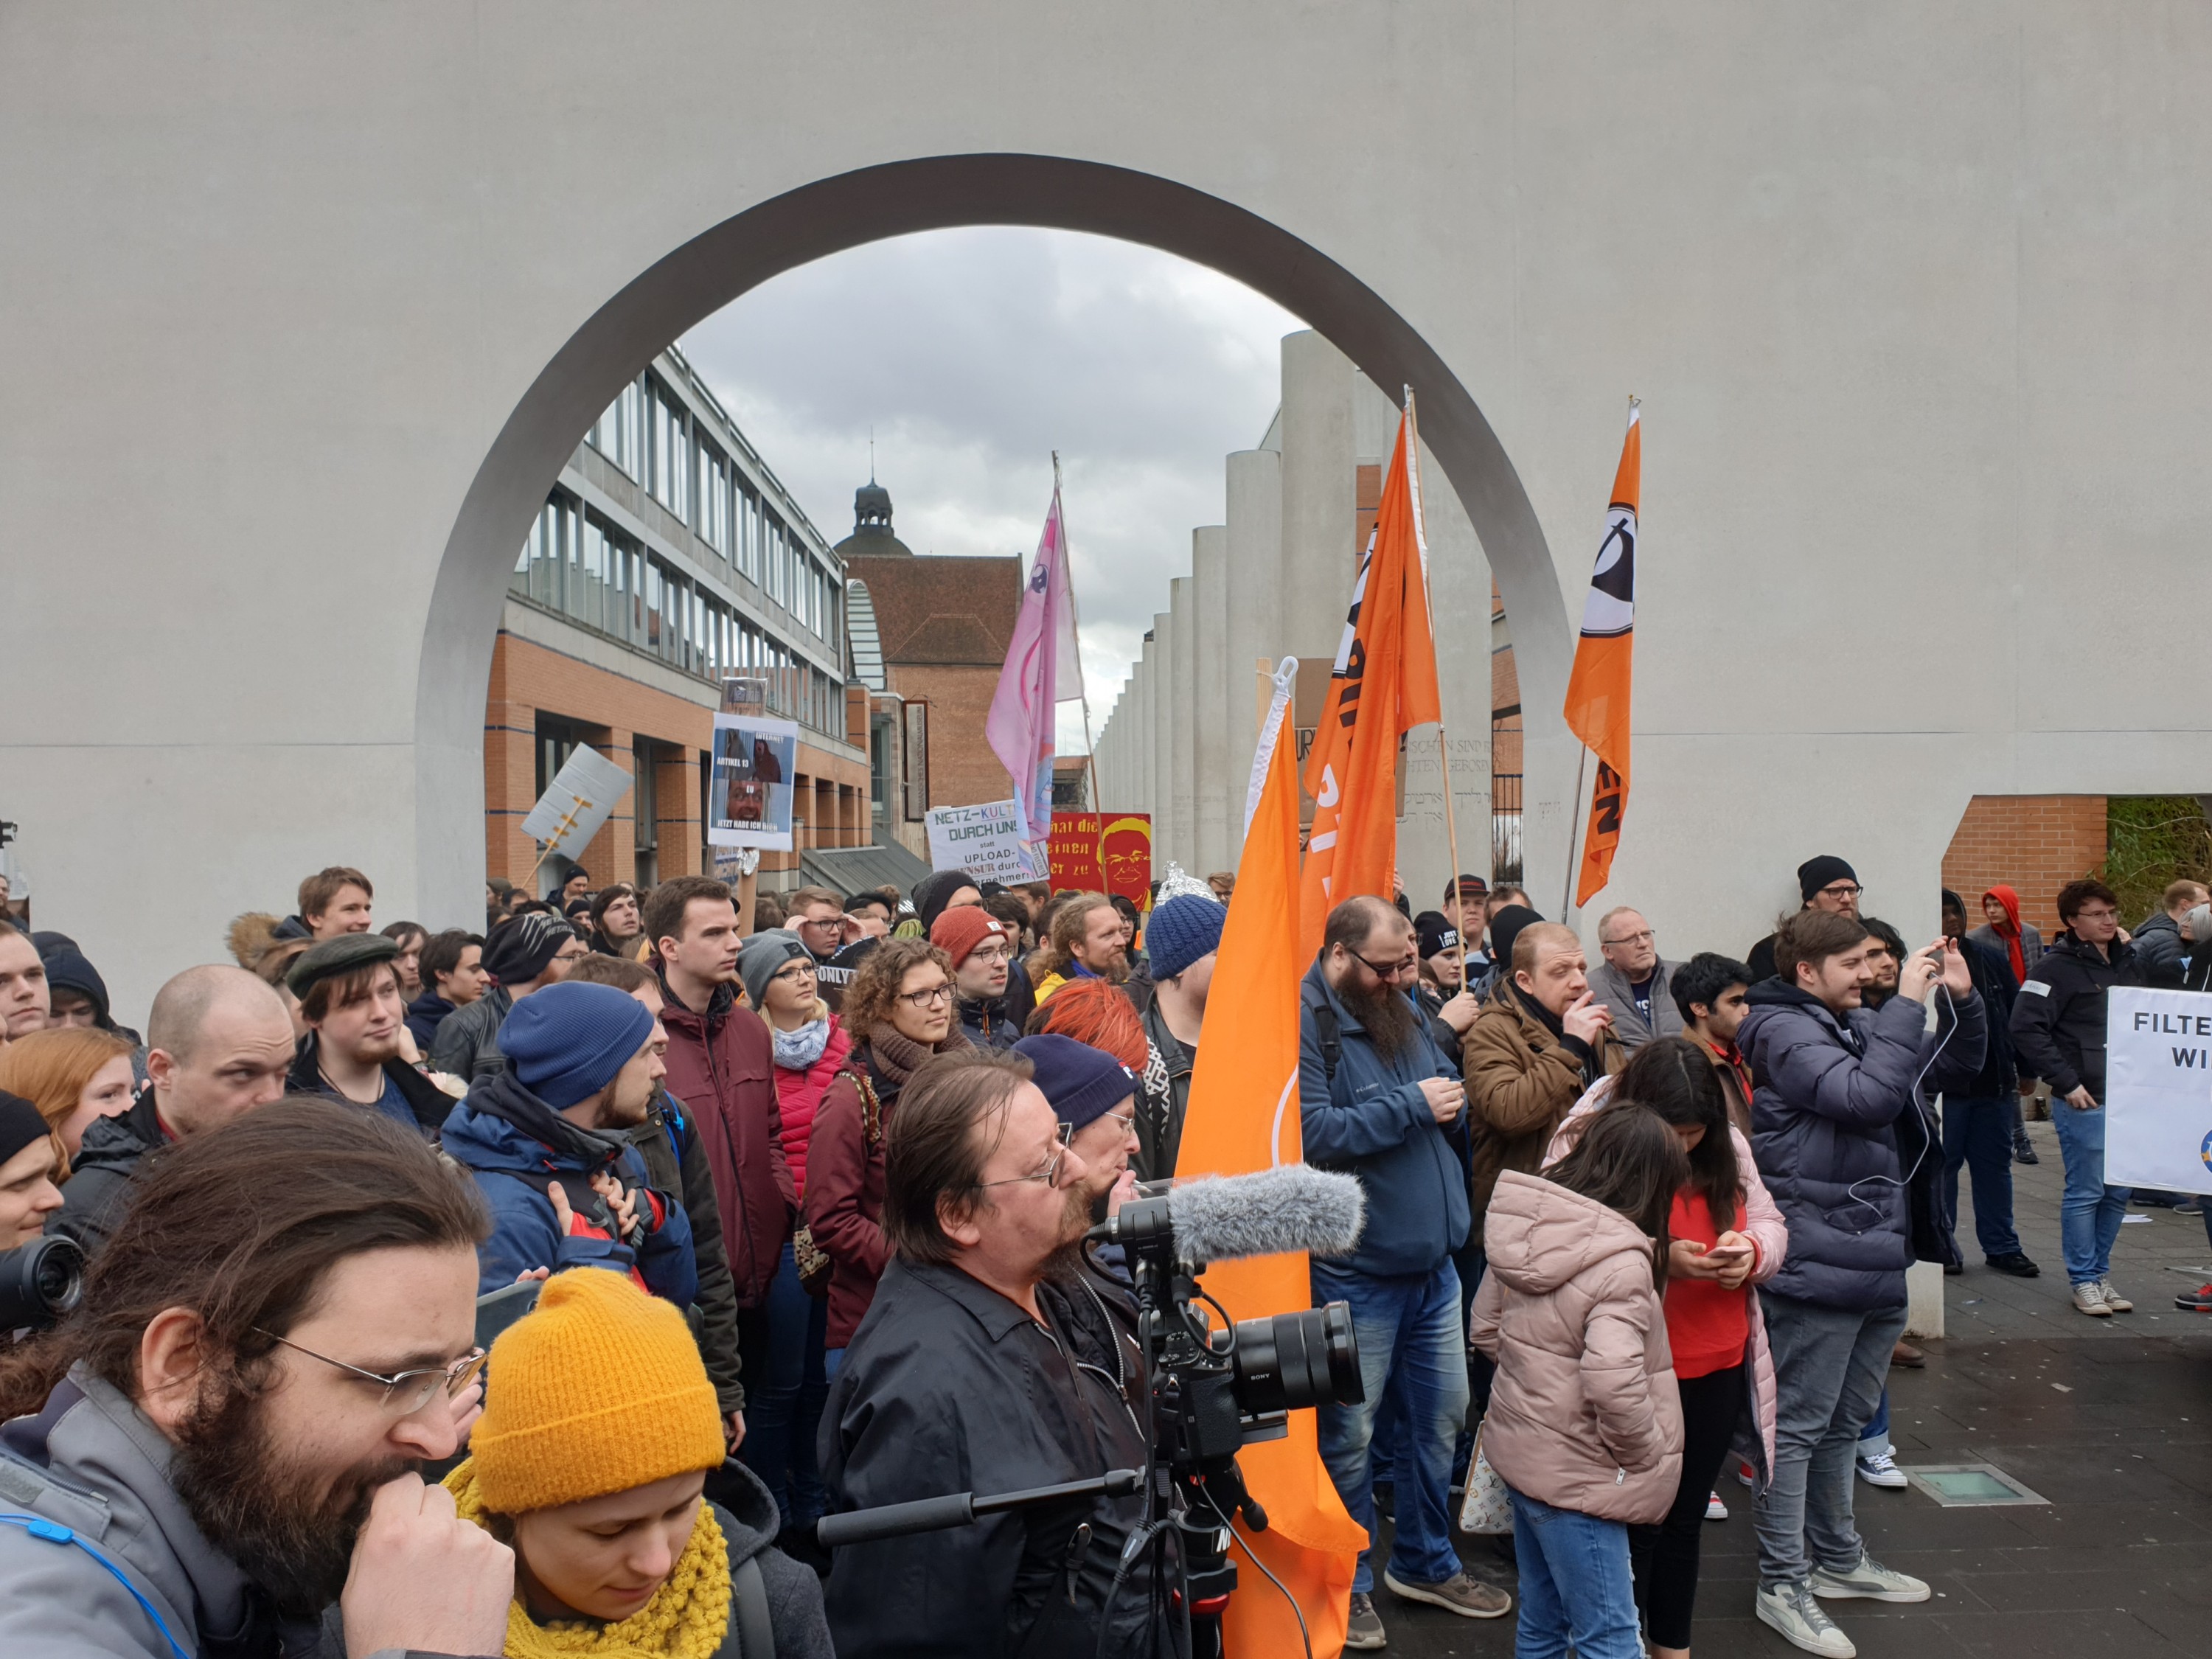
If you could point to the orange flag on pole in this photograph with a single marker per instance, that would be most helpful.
(1244, 1117)
(1384, 686)
(1599, 688)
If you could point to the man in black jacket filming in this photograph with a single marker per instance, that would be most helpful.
(963, 1377)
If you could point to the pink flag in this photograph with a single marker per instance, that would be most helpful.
(1043, 670)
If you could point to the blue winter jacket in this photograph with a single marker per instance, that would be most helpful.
(1844, 1140)
(1374, 1122)
(504, 1135)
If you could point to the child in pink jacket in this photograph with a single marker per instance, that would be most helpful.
(1725, 1236)
(1584, 1424)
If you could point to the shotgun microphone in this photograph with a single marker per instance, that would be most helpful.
(1224, 1218)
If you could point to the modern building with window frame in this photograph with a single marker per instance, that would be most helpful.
(668, 555)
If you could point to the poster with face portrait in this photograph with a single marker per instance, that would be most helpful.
(755, 759)
(1127, 843)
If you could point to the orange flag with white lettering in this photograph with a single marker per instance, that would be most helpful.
(1244, 1117)
(1605, 657)
(1384, 686)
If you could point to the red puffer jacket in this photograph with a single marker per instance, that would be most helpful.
(721, 1064)
(845, 1201)
(800, 1093)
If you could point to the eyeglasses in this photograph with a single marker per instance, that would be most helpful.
(570, 953)
(821, 921)
(413, 1389)
(1127, 1120)
(797, 974)
(1403, 965)
(1050, 1174)
(987, 954)
(929, 999)
(1842, 889)
(1643, 938)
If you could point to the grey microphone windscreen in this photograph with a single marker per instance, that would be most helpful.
(1293, 1207)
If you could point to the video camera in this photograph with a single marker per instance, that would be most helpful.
(40, 1282)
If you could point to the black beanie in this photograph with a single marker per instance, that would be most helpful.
(517, 951)
(932, 891)
(1815, 874)
(20, 1124)
(1505, 927)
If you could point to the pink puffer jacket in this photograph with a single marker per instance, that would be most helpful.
(1761, 1222)
(1583, 1413)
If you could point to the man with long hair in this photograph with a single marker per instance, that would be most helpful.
(1086, 941)
(218, 1446)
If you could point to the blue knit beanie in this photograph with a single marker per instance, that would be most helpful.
(566, 1042)
(1182, 930)
(1082, 1082)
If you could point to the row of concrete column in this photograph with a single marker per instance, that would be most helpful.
(1276, 580)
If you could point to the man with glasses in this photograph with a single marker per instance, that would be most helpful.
(1825, 883)
(1631, 980)
(1378, 1100)
(982, 954)
(220, 1448)
(523, 956)
(817, 916)
(971, 1372)
(2058, 1031)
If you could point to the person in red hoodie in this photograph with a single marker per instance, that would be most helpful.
(2021, 946)
(901, 1005)
(778, 972)
(721, 1065)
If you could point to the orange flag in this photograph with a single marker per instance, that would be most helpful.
(1598, 691)
(1384, 686)
(1244, 1117)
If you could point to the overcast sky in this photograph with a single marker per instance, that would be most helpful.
(973, 355)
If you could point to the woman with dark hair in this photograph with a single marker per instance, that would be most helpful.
(1726, 1236)
(1585, 1423)
(899, 1013)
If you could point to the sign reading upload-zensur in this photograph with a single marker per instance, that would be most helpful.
(2158, 1089)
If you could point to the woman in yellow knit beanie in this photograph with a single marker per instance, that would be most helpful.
(599, 1429)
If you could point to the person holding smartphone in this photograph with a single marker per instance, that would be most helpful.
(1724, 1236)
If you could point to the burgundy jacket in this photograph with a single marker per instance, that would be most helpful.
(722, 1066)
(845, 1194)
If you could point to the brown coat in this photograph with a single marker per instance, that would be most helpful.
(1522, 1082)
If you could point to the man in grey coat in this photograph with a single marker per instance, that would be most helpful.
(214, 1457)
(1633, 979)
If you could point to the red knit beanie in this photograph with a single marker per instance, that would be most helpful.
(960, 930)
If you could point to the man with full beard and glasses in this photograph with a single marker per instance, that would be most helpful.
(967, 1374)
(215, 1455)
(1378, 1099)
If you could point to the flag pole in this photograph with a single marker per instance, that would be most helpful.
(1574, 829)
(1090, 752)
(1444, 745)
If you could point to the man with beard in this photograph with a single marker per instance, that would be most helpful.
(968, 1374)
(1086, 941)
(1378, 1100)
(213, 1455)
(350, 996)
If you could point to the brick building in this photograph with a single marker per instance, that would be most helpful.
(2037, 843)
(668, 555)
(931, 652)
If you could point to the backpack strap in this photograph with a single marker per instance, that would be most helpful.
(749, 1616)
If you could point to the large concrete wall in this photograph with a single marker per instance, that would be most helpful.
(308, 301)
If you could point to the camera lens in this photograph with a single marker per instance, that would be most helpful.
(1293, 1360)
(40, 1282)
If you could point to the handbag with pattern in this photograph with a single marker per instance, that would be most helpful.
(1486, 1508)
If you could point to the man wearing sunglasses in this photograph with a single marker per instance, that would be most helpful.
(222, 1445)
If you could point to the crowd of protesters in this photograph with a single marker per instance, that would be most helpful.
(834, 1157)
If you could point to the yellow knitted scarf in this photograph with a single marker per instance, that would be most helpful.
(686, 1618)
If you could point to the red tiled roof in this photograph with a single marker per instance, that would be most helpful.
(948, 611)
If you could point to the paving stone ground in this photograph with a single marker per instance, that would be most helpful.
(2110, 1420)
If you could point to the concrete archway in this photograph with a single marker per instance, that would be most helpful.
(846, 211)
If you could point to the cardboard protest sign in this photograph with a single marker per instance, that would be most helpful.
(756, 757)
(985, 841)
(2158, 1089)
(577, 802)
(1128, 847)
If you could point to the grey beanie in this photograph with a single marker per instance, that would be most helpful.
(764, 957)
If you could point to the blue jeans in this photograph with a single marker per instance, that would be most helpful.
(1413, 1349)
(2089, 1212)
(783, 1406)
(1977, 1135)
(1576, 1587)
(1875, 1438)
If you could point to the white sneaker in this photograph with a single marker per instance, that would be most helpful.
(1714, 1510)
(2089, 1298)
(1869, 1579)
(1880, 1469)
(2113, 1299)
(1803, 1622)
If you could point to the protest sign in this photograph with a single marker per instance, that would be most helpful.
(2158, 1089)
(1127, 840)
(985, 841)
(756, 757)
(577, 802)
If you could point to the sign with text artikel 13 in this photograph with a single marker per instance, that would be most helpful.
(748, 801)
(577, 802)
(985, 841)
(2158, 1089)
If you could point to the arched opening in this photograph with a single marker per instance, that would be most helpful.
(835, 214)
